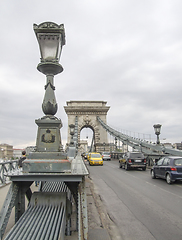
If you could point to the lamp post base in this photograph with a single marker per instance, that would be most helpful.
(48, 136)
(49, 156)
(46, 166)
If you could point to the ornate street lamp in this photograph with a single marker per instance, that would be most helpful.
(157, 129)
(51, 38)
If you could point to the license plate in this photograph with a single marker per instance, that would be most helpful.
(137, 160)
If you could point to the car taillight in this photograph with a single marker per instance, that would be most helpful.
(109, 155)
(129, 160)
(102, 155)
(145, 161)
(173, 169)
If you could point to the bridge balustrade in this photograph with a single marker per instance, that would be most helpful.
(5, 167)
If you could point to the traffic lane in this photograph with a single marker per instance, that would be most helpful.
(139, 208)
(130, 227)
(153, 188)
(175, 189)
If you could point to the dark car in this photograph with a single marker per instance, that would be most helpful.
(169, 168)
(133, 160)
(84, 155)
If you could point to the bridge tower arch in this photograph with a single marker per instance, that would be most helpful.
(87, 112)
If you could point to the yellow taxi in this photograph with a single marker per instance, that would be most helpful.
(95, 158)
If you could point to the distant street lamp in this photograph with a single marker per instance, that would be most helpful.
(2, 153)
(157, 129)
(72, 132)
(116, 141)
(104, 145)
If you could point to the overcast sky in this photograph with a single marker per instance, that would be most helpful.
(128, 53)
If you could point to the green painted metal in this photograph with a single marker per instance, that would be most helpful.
(147, 148)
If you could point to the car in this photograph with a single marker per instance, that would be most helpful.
(106, 156)
(168, 168)
(84, 155)
(133, 160)
(95, 158)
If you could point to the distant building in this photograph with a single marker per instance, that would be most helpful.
(177, 146)
(17, 153)
(6, 151)
(167, 145)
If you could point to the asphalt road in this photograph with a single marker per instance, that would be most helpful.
(142, 207)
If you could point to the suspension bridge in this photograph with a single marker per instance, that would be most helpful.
(61, 174)
(61, 189)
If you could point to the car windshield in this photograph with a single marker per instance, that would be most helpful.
(136, 155)
(105, 153)
(95, 155)
(178, 162)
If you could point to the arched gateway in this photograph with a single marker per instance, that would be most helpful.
(87, 112)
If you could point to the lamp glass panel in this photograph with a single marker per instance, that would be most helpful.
(72, 131)
(49, 46)
(157, 129)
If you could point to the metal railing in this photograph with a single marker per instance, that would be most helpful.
(5, 167)
(147, 148)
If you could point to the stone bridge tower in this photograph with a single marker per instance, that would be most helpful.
(87, 112)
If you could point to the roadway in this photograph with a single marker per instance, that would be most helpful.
(142, 207)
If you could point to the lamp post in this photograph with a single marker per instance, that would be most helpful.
(2, 153)
(157, 129)
(72, 146)
(116, 141)
(72, 132)
(51, 39)
(104, 145)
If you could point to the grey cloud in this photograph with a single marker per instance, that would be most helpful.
(127, 53)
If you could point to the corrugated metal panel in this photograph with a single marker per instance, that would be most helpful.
(44, 219)
(54, 187)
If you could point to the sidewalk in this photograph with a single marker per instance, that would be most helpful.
(100, 225)
(97, 218)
